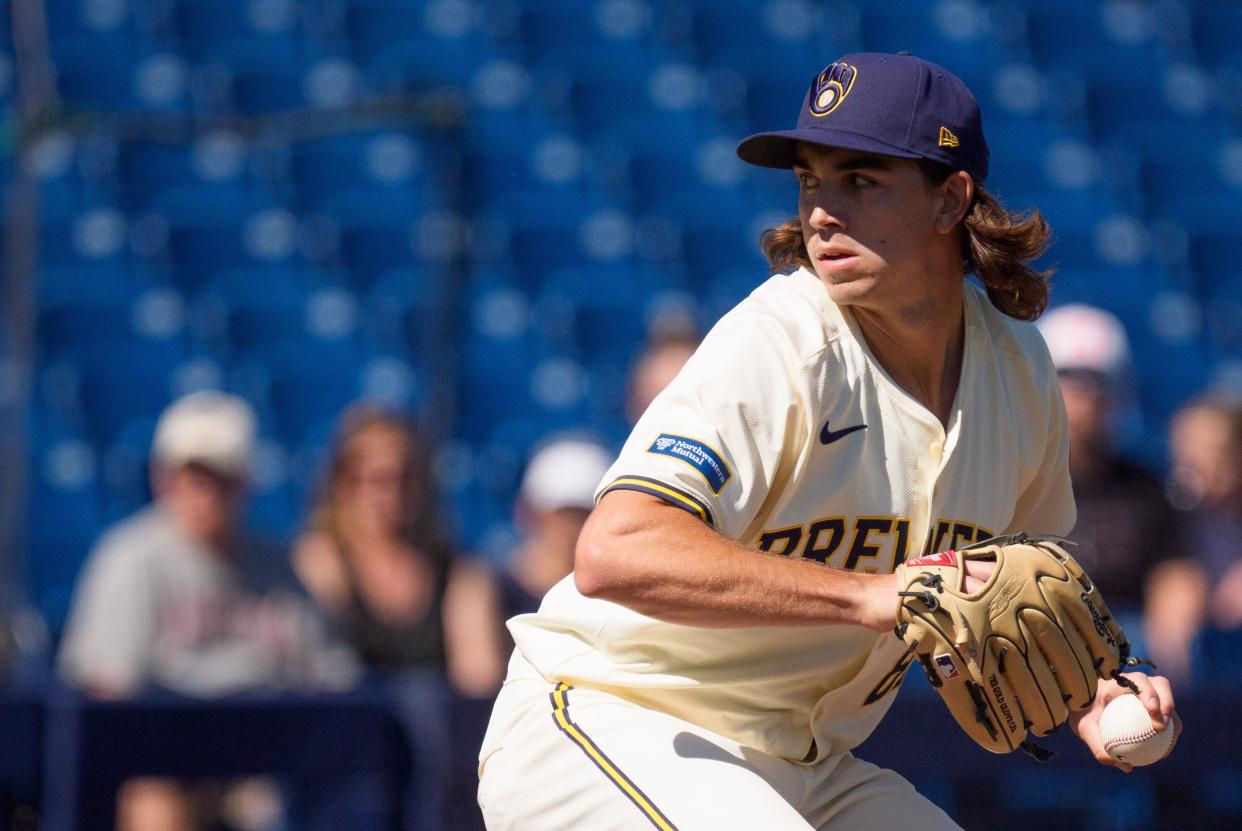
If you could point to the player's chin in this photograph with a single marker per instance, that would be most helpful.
(848, 286)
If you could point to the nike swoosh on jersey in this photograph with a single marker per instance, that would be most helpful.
(827, 436)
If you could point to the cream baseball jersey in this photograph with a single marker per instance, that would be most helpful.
(783, 433)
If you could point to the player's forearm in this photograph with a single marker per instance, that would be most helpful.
(662, 562)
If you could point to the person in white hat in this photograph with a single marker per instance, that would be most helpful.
(1125, 522)
(555, 498)
(168, 600)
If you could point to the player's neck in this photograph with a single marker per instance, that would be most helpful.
(921, 348)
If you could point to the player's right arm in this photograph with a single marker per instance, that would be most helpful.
(663, 562)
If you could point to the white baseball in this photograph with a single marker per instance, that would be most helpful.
(1128, 734)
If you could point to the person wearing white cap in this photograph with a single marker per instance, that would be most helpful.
(1125, 523)
(166, 598)
(555, 498)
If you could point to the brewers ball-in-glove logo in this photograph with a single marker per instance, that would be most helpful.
(831, 88)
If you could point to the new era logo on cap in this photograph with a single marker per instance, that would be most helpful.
(890, 105)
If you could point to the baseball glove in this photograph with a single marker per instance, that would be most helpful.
(1020, 652)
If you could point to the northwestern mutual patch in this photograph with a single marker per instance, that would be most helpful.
(696, 454)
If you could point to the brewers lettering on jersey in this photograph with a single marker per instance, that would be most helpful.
(727, 636)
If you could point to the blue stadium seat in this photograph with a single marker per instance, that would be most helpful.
(145, 169)
(383, 160)
(493, 385)
(529, 153)
(207, 27)
(63, 518)
(401, 310)
(207, 233)
(724, 238)
(571, 33)
(800, 30)
(309, 383)
(273, 511)
(1224, 314)
(541, 231)
(206, 162)
(1214, 27)
(1214, 254)
(962, 42)
(426, 65)
(256, 322)
(126, 468)
(1194, 164)
(119, 382)
(1092, 37)
(97, 282)
(85, 82)
(72, 327)
(772, 101)
(1151, 101)
(374, 27)
(263, 78)
(72, 235)
(1218, 658)
(375, 232)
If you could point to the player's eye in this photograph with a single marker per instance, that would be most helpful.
(806, 181)
(859, 181)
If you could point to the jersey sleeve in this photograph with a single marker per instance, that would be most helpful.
(1046, 505)
(713, 442)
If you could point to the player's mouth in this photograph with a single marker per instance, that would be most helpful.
(836, 259)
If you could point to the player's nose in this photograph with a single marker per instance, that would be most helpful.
(823, 216)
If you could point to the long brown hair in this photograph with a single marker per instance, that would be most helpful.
(419, 523)
(998, 247)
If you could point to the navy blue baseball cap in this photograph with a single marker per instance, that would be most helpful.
(893, 105)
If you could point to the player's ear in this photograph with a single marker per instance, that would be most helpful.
(955, 195)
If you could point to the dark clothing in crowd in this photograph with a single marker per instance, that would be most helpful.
(1213, 540)
(1125, 526)
(387, 646)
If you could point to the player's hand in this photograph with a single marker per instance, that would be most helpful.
(882, 599)
(1157, 697)
(977, 573)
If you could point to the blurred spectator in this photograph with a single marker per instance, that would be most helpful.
(1206, 586)
(174, 597)
(376, 560)
(657, 363)
(1125, 523)
(556, 496)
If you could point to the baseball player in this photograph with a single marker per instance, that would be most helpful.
(728, 634)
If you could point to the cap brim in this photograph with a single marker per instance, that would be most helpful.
(779, 149)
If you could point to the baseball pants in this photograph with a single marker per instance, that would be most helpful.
(557, 758)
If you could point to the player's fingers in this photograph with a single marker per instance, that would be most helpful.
(1087, 726)
(1147, 694)
(1164, 705)
(979, 569)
